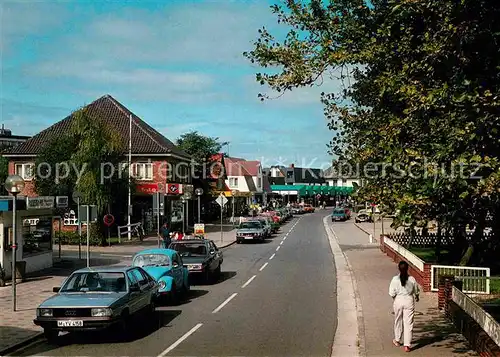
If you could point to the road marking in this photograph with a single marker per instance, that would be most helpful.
(224, 303)
(115, 255)
(248, 282)
(281, 243)
(278, 248)
(180, 340)
(262, 267)
(272, 256)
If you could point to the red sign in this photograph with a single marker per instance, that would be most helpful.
(174, 189)
(109, 219)
(147, 188)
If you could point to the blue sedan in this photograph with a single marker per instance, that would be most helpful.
(166, 267)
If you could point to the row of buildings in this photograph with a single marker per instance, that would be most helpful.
(153, 158)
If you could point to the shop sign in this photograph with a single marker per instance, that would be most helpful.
(174, 189)
(199, 229)
(42, 202)
(147, 188)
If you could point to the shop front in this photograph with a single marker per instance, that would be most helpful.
(34, 238)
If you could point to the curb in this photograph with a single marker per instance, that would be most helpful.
(365, 231)
(349, 310)
(227, 245)
(21, 344)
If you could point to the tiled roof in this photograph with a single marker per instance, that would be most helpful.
(145, 139)
(241, 167)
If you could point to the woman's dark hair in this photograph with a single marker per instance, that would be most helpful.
(403, 272)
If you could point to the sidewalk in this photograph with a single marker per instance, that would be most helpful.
(17, 327)
(434, 335)
(229, 237)
(368, 228)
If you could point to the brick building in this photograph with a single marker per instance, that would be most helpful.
(152, 155)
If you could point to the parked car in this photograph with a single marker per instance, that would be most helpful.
(339, 214)
(297, 209)
(308, 208)
(265, 222)
(201, 257)
(275, 226)
(363, 217)
(167, 268)
(251, 230)
(97, 298)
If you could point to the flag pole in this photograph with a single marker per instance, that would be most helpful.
(129, 177)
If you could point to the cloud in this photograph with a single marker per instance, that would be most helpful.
(19, 19)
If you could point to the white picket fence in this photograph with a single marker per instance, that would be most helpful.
(478, 282)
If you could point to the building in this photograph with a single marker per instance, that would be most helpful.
(333, 178)
(246, 177)
(157, 166)
(7, 140)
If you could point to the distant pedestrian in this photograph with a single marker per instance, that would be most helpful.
(165, 235)
(404, 291)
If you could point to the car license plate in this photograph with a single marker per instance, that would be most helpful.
(337, 218)
(70, 323)
(248, 237)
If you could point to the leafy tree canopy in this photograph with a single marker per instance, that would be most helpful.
(419, 102)
(200, 147)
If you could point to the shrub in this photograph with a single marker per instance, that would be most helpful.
(72, 238)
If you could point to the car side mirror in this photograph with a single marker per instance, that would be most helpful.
(56, 289)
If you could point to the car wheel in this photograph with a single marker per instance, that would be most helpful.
(124, 326)
(218, 272)
(51, 335)
(152, 307)
(173, 297)
(207, 276)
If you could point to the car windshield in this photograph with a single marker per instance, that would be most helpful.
(190, 249)
(147, 260)
(107, 282)
(250, 225)
(339, 211)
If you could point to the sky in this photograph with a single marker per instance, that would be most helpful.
(176, 64)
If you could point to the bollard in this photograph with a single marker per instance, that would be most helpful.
(370, 237)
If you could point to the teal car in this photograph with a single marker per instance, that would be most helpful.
(340, 214)
(97, 298)
(167, 268)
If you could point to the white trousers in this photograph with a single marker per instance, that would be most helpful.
(404, 310)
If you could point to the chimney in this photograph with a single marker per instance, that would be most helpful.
(292, 166)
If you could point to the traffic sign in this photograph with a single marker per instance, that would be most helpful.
(76, 196)
(109, 220)
(199, 229)
(221, 200)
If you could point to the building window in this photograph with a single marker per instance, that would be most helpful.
(26, 171)
(143, 171)
(37, 235)
(344, 182)
(259, 182)
(233, 182)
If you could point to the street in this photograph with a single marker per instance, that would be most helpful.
(275, 299)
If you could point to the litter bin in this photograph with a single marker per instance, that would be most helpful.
(20, 271)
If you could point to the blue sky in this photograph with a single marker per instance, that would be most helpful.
(176, 64)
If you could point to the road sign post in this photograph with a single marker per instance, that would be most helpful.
(76, 198)
(88, 236)
(109, 219)
(221, 200)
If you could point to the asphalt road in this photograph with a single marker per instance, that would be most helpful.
(275, 299)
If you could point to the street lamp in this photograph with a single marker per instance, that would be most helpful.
(183, 200)
(233, 194)
(199, 192)
(14, 184)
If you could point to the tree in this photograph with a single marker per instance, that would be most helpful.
(200, 147)
(88, 160)
(4, 172)
(422, 82)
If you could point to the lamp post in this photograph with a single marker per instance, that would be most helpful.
(233, 194)
(14, 184)
(199, 192)
(183, 200)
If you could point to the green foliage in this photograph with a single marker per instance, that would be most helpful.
(200, 147)
(4, 172)
(420, 82)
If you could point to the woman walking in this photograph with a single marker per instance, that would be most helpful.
(404, 291)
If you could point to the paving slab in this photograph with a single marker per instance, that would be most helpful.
(434, 335)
